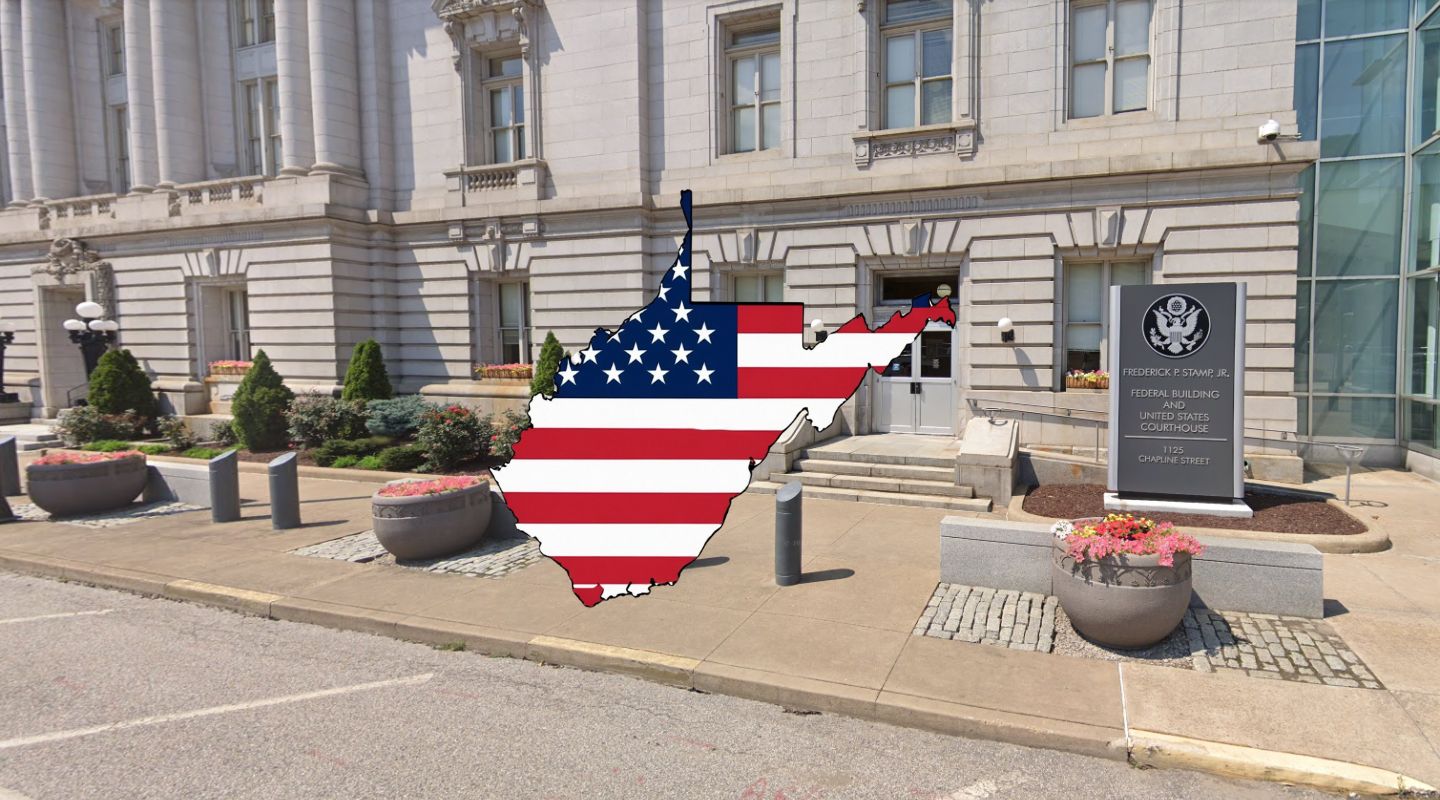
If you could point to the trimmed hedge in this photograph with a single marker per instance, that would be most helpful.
(118, 385)
(366, 379)
(259, 407)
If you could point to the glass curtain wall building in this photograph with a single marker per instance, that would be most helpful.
(1367, 86)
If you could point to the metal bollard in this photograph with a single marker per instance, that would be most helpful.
(787, 534)
(224, 487)
(9, 468)
(284, 493)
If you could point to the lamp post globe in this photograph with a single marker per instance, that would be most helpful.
(7, 335)
(92, 332)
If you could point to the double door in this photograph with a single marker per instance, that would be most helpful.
(917, 392)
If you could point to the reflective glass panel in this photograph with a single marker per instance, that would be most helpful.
(1425, 337)
(743, 81)
(770, 126)
(935, 354)
(1307, 220)
(1302, 336)
(774, 288)
(1363, 97)
(900, 367)
(744, 132)
(746, 38)
(1132, 84)
(747, 288)
(936, 53)
(1307, 20)
(900, 106)
(505, 67)
(770, 76)
(911, 10)
(1355, 417)
(935, 102)
(1307, 89)
(1087, 90)
(1083, 290)
(899, 58)
(1427, 80)
(1132, 27)
(1358, 217)
(1354, 336)
(1087, 42)
(1349, 17)
(1425, 212)
(500, 108)
(1420, 423)
(1128, 273)
(512, 304)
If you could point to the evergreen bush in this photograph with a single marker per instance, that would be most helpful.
(404, 458)
(118, 385)
(259, 407)
(366, 378)
(328, 453)
(399, 417)
(107, 446)
(551, 353)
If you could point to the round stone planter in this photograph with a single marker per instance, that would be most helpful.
(68, 490)
(432, 526)
(1122, 601)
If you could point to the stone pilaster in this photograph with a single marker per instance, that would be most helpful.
(334, 86)
(217, 83)
(175, 56)
(373, 32)
(46, 52)
(12, 67)
(139, 91)
(292, 67)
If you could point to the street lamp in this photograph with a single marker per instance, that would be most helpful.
(93, 333)
(7, 335)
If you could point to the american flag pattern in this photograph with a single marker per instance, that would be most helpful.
(653, 429)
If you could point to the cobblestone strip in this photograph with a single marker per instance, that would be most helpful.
(490, 560)
(1018, 620)
(108, 519)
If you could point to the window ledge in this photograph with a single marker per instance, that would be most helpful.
(955, 138)
(751, 155)
(523, 177)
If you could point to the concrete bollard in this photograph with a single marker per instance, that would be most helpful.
(284, 493)
(225, 487)
(9, 467)
(787, 534)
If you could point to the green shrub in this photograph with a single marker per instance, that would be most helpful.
(153, 449)
(398, 417)
(452, 436)
(326, 454)
(543, 381)
(82, 424)
(404, 458)
(206, 453)
(223, 433)
(259, 407)
(368, 462)
(118, 385)
(345, 462)
(176, 432)
(107, 446)
(316, 418)
(505, 430)
(366, 379)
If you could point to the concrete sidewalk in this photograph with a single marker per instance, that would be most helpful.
(840, 641)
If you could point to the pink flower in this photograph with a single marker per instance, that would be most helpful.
(452, 483)
(84, 458)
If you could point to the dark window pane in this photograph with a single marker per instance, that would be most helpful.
(1348, 17)
(1363, 97)
(1358, 217)
(1363, 417)
(935, 354)
(1307, 20)
(1307, 88)
(1425, 213)
(911, 10)
(900, 367)
(1306, 221)
(908, 287)
(1420, 424)
(1302, 337)
(1354, 336)
(745, 38)
(1425, 337)
(1427, 81)
(1302, 416)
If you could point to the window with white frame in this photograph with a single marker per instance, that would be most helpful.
(237, 324)
(1086, 309)
(918, 62)
(254, 21)
(120, 149)
(514, 320)
(502, 87)
(114, 41)
(752, 57)
(758, 287)
(263, 145)
(1109, 57)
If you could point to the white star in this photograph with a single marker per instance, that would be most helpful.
(589, 353)
(704, 333)
(635, 316)
(657, 375)
(679, 270)
(682, 354)
(634, 352)
(568, 374)
(681, 312)
(702, 375)
(658, 333)
(664, 290)
(612, 375)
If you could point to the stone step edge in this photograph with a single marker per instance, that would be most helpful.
(877, 458)
(882, 498)
(872, 483)
(913, 471)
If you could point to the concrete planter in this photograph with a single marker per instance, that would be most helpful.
(432, 526)
(1122, 601)
(67, 490)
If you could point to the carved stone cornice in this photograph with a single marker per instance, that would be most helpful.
(486, 22)
(954, 138)
(71, 257)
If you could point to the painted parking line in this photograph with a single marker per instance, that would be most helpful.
(10, 794)
(14, 620)
(75, 733)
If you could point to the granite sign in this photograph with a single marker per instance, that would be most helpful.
(1177, 392)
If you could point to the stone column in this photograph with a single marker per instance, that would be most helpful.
(139, 91)
(175, 59)
(217, 81)
(292, 67)
(45, 47)
(334, 87)
(12, 68)
(372, 29)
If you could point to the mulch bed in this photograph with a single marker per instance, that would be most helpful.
(1274, 513)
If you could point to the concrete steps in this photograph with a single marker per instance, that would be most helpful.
(881, 498)
(31, 437)
(894, 476)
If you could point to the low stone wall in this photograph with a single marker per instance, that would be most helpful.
(1254, 576)
(179, 483)
(489, 396)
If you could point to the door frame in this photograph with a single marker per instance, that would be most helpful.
(953, 274)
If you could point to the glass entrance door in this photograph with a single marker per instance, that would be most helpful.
(917, 392)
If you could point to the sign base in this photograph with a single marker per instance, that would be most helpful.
(1234, 508)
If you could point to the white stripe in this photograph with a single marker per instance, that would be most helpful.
(620, 540)
(622, 475)
(715, 415)
(75, 733)
(56, 616)
(839, 350)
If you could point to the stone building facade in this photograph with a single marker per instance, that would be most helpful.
(458, 177)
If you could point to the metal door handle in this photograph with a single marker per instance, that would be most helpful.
(914, 388)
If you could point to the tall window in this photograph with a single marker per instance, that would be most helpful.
(114, 50)
(1087, 309)
(262, 126)
(753, 56)
(254, 21)
(120, 149)
(504, 92)
(1109, 57)
(766, 287)
(515, 322)
(237, 324)
(918, 62)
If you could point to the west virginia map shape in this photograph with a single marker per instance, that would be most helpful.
(653, 429)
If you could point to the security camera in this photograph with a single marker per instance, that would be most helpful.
(1268, 132)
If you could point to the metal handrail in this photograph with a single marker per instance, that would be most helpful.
(70, 394)
(990, 412)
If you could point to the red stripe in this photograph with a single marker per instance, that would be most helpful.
(630, 443)
(802, 382)
(595, 508)
(623, 569)
(771, 318)
(909, 320)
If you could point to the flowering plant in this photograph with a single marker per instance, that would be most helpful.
(229, 367)
(1123, 534)
(451, 436)
(84, 458)
(505, 370)
(1087, 379)
(437, 486)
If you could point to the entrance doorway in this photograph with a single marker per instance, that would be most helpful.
(62, 368)
(916, 393)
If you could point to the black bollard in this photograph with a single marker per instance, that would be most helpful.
(284, 493)
(9, 468)
(224, 487)
(787, 534)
